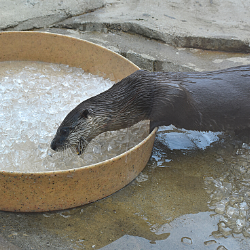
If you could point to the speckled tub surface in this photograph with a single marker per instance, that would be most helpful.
(47, 191)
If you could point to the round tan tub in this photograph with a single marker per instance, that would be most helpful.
(47, 191)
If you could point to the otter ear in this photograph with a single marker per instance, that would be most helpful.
(85, 114)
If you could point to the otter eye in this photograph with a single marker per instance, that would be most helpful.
(85, 113)
(64, 131)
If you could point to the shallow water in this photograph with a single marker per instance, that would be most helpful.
(175, 203)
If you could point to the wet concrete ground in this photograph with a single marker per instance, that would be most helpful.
(186, 197)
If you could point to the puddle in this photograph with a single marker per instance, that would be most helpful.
(193, 194)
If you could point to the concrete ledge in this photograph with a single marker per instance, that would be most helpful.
(212, 25)
(220, 43)
(30, 14)
(154, 55)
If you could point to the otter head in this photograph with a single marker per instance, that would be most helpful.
(76, 131)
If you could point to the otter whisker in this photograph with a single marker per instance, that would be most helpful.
(81, 145)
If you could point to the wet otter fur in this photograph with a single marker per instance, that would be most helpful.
(215, 101)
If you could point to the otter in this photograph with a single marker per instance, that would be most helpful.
(204, 101)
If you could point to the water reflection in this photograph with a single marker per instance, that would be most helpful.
(192, 231)
(186, 139)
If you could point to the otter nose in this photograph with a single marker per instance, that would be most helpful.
(53, 145)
